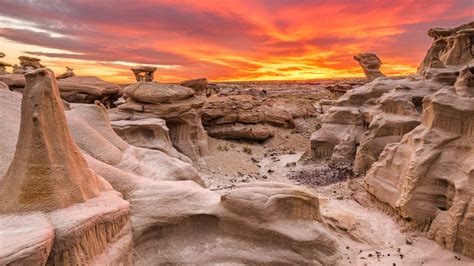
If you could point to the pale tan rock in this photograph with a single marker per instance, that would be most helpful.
(424, 176)
(257, 132)
(14, 80)
(91, 129)
(371, 64)
(175, 104)
(465, 83)
(3, 69)
(198, 85)
(87, 89)
(155, 93)
(150, 133)
(369, 117)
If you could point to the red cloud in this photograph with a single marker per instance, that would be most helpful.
(232, 40)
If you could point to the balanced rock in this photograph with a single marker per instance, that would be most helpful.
(371, 64)
(425, 176)
(28, 63)
(144, 73)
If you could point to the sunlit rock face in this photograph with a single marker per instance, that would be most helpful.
(74, 216)
(177, 105)
(371, 64)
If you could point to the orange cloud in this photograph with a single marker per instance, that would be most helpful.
(226, 40)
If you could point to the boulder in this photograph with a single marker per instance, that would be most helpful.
(425, 177)
(175, 104)
(198, 85)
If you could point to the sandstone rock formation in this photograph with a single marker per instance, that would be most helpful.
(28, 63)
(177, 105)
(73, 215)
(194, 225)
(198, 85)
(251, 118)
(371, 64)
(68, 74)
(144, 73)
(3, 69)
(88, 89)
(368, 117)
(426, 177)
(414, 139)
(150, 133)
(451, 47)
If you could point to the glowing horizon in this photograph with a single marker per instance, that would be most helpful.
(227, 40)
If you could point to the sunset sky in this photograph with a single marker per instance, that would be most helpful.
(226, 39)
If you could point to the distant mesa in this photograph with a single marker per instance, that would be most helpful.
(144, 73)
(371, 64)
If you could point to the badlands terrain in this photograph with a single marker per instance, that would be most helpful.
(372, 171)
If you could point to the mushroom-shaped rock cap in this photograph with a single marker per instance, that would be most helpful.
(143, 69)
(48, 171)
(28, 58)
(4, 64)
(153, 92)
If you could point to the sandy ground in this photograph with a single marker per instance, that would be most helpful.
(367, 236)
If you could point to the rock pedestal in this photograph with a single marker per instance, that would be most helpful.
(144, 73)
